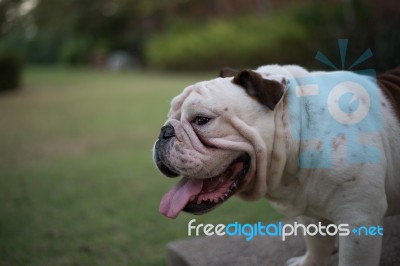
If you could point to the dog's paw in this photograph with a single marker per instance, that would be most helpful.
(305, 260)
(296, 261)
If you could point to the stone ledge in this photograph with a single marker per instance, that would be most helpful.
(225, 250)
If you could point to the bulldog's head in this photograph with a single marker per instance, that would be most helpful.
(218, 137)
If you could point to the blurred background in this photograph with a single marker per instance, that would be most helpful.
(85, 86)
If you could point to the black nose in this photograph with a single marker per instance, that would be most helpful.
(167, 132)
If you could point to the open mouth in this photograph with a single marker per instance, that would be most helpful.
(199, 196)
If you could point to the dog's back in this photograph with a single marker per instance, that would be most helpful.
(389, 82)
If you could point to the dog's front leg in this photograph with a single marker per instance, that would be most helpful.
(360, 250)
(362, 244)
(319, 247)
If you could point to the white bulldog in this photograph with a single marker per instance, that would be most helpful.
(272, 133)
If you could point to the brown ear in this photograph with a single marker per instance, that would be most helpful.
(267, 92)
(227, 72)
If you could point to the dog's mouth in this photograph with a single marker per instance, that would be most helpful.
(199, 196)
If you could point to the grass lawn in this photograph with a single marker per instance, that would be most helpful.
(78, 186)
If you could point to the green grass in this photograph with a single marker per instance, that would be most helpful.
(78, 186)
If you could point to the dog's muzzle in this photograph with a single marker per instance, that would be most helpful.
(167, 133)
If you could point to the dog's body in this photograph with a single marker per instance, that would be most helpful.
(244, 133)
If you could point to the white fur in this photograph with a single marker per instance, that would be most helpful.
(357, 194)
(360, 194)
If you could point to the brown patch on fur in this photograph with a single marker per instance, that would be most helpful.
(275, 157)
(267, 92)
(335, 144)
(259, 150)
(389, 83)
(351, 179)
(227, 72)
(319, 145)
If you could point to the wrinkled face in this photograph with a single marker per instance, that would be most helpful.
(216, 138)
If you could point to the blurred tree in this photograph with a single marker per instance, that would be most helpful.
(13, 22)
(86, 26)
(81, 31)
(8, 14)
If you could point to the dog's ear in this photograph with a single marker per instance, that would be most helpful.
(227, 72)
(268, 92)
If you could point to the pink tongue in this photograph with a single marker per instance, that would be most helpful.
(176, 199)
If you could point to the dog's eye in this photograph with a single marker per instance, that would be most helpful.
(201, 120)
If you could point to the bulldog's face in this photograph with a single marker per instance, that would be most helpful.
(217, 137)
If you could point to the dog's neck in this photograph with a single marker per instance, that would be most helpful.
(285, 151)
